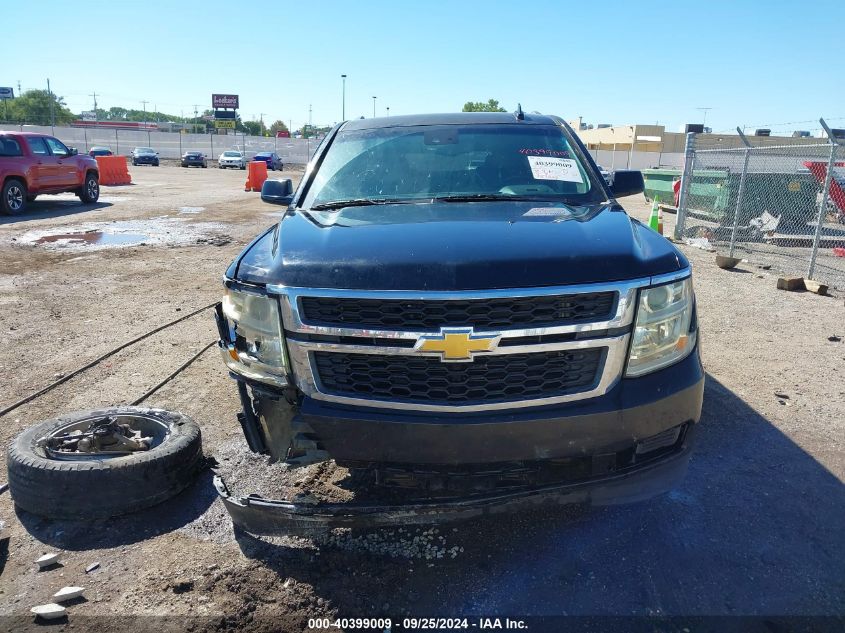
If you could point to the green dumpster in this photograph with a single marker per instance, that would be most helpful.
(658, 182)
(713, 193)
(706, 195)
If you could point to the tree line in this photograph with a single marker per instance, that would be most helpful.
(39, 107)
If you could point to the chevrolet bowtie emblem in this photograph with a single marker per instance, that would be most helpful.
(457, 344)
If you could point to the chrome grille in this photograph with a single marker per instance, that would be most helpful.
(356, 347)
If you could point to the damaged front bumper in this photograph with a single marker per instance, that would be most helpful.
(261, 516)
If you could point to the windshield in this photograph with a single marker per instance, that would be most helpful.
(424, 162)
(232, 154)
(144, 150)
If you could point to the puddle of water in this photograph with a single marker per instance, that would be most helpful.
(94, 237)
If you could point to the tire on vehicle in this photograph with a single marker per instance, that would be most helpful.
(90, 191)
(74, 487)
(13, 197)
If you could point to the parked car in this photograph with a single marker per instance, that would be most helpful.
(197, 159)
(34, 164)
(448, 310)
(99, 151)
(271, 158)
(605, 174)
(145, 156)
(232, 158)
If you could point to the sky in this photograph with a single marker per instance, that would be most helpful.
(755, 64)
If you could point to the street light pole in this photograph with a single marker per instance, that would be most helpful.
(343, 98)
(52, 112)
(374, 107)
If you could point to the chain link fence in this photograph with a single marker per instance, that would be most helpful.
(173, 144)
(777, 206)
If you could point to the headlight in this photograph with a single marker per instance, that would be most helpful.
(662, 334)
(255, 348)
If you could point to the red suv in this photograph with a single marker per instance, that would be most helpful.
(32, 164)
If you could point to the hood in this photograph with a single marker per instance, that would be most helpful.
(456, 246)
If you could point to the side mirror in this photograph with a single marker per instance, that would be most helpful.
(73, 151)
(627, 183)
(277, 191)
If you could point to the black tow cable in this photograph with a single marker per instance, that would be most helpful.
(173, 375)
(64, 379)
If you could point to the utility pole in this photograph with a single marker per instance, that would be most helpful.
(261, 121)
(309, 120)
(374, 107)
(96, 116)
(343, 111)
(52, 111)
(19, 87)
(145, 121)
(193, 127)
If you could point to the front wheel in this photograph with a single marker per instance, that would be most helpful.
(90, 192)
(13, 197)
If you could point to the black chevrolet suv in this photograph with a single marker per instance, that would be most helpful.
(457, 304)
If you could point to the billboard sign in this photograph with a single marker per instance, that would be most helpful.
(7, 93)
(224, 124)
(224, 114)
(224, 101)
(89, 115)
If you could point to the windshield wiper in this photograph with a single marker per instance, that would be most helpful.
(472, 197)
(358, 202)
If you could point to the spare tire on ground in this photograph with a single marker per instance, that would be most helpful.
(103, 463)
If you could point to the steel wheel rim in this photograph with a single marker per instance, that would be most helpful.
(156, 428)
(14, 197)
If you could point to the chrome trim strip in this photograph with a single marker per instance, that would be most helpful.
(617, 349)
(666, 278)
(625, 308)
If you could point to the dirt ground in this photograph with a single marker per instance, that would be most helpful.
(755, 529)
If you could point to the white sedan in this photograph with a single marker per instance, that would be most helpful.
(232, 158)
